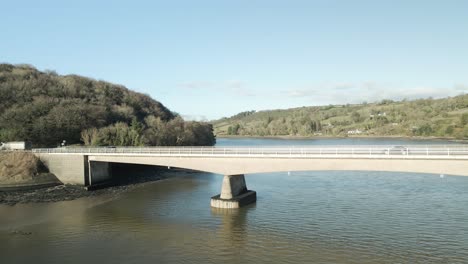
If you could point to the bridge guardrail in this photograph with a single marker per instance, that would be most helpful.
(295, 151)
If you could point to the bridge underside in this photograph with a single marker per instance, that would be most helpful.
(235, 166)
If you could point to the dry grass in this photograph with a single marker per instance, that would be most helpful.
(18, 167)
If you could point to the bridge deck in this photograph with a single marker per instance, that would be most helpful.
(72, 164)
(381, 152)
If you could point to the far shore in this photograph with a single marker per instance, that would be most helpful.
(343, 137)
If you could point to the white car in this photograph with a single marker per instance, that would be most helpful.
(397, 150)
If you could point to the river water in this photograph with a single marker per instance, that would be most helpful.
(304, 217)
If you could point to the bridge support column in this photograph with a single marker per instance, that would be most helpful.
(234, 193)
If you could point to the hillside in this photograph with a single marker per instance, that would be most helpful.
(46, 108)
(446, 117)
(23, 168)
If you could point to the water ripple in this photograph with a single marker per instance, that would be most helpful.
(307, 217)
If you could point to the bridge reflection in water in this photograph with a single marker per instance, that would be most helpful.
(90, 166)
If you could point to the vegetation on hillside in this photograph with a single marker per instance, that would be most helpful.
(446, 117)
(46, 108)
(22, 167)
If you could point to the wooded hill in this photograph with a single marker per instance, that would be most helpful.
(46, 108)
(446, 117)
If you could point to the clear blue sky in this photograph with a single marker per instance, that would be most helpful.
(217, 58)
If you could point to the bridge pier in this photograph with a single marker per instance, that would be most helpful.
(234, 193)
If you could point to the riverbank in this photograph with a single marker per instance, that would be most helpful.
(463, 141)
(23, 171)
(127, 178)
(64, 193)
(25, 179)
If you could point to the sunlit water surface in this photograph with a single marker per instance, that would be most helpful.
(304, 217)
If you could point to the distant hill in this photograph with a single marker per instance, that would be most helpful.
(446, 117)
(46, 108)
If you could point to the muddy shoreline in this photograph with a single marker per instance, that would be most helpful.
(72, 192)
(128, 178)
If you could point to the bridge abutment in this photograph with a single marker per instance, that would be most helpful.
(68, 168)
(234, 193)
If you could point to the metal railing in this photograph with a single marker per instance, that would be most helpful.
(434, 151)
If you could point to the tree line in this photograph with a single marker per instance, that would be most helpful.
(46, 108)
(447, 117)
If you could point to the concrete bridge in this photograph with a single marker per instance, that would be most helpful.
(90, 166)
